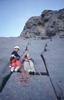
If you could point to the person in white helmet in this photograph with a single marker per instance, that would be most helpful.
(15, 62)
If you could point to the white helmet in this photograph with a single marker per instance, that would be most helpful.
(17, 47)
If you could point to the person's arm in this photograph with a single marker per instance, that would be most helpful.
(16, 55)
(25, 53)
(13, 54)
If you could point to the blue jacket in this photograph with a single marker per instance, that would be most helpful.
(14, 55)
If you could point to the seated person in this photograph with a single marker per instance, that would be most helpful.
(15, 62)
(27, 62)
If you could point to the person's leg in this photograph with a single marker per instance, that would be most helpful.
(18, 65)
(13, 65)
(26, 66)
(17, 68)
(12, 69)
(32, 69)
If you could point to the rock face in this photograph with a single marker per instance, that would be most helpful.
(48, 24)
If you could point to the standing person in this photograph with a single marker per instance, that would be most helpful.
(15, 62)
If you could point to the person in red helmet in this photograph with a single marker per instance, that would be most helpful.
(15, 62)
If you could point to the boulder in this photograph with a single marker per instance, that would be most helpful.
(48, 24)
